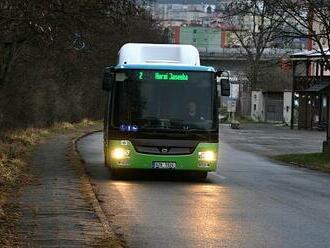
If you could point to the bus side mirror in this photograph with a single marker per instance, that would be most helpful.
(225, 87)
(224, 82)
(108, 79)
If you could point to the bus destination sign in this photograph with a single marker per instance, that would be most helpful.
(163, 76)
(171, 76)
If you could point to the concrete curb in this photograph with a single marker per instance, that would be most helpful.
(91, 193)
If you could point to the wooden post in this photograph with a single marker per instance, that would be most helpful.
(326, 148)
(320, 99)
(328, 114)
(312, 110)
(306, 113)
(292, 94)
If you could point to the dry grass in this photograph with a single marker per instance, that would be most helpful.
(314, 161)
(16, 148)
(17, 145)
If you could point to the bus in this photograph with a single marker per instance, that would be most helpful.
(162, 110)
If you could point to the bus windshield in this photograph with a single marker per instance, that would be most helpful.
(167, 100)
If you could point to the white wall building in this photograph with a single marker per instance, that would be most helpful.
(287, 103)
(274, 107)
(258, 106)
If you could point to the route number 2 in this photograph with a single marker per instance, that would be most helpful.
(141, 75)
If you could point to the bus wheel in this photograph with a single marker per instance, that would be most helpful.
(201, 176)
(106, 160)
(115, 173)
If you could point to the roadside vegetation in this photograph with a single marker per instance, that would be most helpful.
(53, 55)
(314, 161)
(16, 148)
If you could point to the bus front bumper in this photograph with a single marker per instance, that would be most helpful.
(122, 154)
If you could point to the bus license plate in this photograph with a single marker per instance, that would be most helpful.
(164, 165)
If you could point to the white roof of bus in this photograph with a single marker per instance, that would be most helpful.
(158, 54)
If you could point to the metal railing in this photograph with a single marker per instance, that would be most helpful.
(241, 52)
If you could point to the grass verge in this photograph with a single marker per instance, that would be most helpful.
(315, 161)
(16, 149)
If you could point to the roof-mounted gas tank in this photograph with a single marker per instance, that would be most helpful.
(161, 54)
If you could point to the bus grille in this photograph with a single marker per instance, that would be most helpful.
(164, 150)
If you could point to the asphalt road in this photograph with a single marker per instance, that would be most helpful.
(269, 140)
(249, 202)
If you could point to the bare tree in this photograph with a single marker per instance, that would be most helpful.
(309, 19)
(52, 55)
(52, 23)
(256, 25)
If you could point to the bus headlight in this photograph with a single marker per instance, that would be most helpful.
(120, 153)
(207, 156)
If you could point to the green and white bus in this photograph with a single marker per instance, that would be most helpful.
(161, 110)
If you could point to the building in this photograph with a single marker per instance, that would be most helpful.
(311, 80)
(274, 107)
(204, 38)
(271, 98)
(182, 14)
(311, 89)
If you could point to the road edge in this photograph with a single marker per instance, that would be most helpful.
(112, 240)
